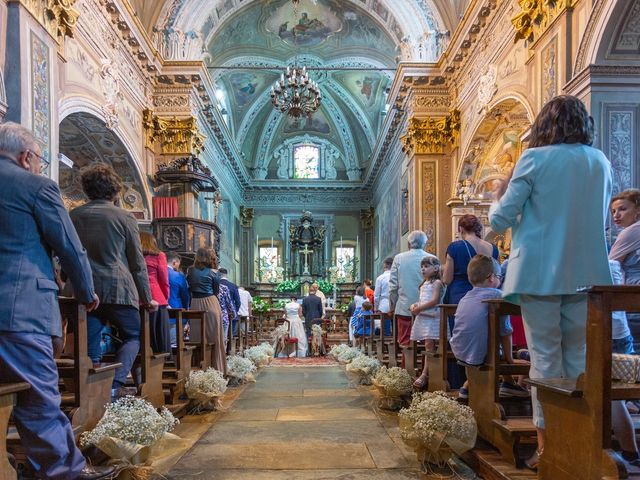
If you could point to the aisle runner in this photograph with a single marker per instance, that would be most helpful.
(304, 362)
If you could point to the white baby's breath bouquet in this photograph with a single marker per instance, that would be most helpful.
(280, 331)
(347, 355)
(257, 355)
(317, 341)
(205, 387)
(336, 350)
(268, 349)
(363, 368)
(393, 384)
(128, 430)
(437, 426)
(240, 369)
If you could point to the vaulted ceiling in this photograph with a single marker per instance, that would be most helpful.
(350, 46)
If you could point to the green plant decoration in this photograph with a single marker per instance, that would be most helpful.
(326, 287)
(260, 306)
(288, 286)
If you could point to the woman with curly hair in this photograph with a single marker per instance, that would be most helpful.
(556, 204)
(204, 283)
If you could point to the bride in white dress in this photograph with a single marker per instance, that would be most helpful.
(293, 313)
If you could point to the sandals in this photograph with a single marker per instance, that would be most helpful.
(421, 382)
(532, 462)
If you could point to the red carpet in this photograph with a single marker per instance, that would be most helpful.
(304, 362)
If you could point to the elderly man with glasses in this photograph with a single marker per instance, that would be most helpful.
(35, 223)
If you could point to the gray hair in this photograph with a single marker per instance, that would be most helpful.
(14, 138)
(417, 239)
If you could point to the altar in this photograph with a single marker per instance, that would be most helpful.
(306, 248)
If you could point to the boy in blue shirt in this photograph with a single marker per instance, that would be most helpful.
(179, 296)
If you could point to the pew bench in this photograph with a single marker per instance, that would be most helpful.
(202, 353)
(504, 431)
(176, 371)
(438, 360)
(8, 394)
(578, 411)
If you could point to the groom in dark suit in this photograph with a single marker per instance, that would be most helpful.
(311, 308)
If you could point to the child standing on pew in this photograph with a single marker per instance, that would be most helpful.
(362, 323)
(469, 339)
(426, 324)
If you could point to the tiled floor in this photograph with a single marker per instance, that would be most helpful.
(303, 423)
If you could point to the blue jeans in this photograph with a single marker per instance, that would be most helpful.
(623, 345)
(127, 320)
(44, 430)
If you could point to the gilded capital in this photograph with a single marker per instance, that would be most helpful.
(535, 16)
(58, 17)
(432, 135)
(246, 217)
(176, 136)
(367, 218)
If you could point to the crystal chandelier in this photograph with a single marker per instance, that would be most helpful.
(296, 94)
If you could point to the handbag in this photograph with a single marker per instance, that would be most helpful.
(625, 368)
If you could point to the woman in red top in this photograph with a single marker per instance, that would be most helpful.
(159, 281)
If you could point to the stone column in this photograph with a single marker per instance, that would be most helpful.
(367, 223)
(247, 246)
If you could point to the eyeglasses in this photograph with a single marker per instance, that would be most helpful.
(44, 161)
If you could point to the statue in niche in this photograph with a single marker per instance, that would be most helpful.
(465, 190)
(306, 240)
(282, 158)
(332, 155)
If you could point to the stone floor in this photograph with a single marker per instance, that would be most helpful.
(300, 423)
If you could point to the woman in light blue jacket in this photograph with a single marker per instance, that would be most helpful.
(556, 204)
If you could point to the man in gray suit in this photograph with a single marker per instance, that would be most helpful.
(35, 223)
(404, 283)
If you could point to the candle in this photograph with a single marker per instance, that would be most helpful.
(357, 243)
(271, 242)
(340, 241)
(258, 241)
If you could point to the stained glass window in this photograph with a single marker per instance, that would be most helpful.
(306, 159)
(345, 257)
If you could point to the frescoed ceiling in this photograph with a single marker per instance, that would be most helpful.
(351, 48)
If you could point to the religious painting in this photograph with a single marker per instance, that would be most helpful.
(311, 25)
(549, 71)
(316, 123)
(247, 85)
(40, 96)
(236, 239)
(365, 87)
(404, 204)
(380, 9)
(388, 225)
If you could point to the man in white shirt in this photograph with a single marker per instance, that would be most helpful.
(381, 296)
(244, 312)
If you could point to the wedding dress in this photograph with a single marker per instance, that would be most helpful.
(296, 329)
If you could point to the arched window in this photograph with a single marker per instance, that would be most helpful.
(306, 161)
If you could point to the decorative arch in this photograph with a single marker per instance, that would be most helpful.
(85, 139)
(329, 155)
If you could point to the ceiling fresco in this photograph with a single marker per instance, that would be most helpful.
(328, 34)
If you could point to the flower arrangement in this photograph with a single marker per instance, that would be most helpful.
(317, 341)
(240, 369)
(326, 287)
(280, 331)
(279, 304)
(288, 286)
(268, 349)
(204, 387)
(394, 384)
(260, 306)
(128, 430)
(363, 368)
(437, 426)
(348, 355)
(336, 350)
(258, 356)
(344, 308)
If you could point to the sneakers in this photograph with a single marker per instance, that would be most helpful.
(523, 354)
(508, 390)
(463, 393)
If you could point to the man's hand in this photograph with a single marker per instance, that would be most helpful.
(94, 304)
(152, 306)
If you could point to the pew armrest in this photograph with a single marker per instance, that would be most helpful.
(562, 386)
(105, 367)
(160, 355)
(9, 388)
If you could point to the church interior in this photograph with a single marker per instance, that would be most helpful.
(305, 142)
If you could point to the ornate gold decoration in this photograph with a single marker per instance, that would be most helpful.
(429, 205)
(58, 17)
(246, 217)
(536, 16)
(176, 136)
(431, 135)
(367, 218)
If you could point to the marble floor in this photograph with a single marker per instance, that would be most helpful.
(303, 423)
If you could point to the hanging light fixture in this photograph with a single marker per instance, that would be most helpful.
(296, 94)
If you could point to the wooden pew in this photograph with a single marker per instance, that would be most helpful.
(577, 412)
(203, 348)
(372, 339)
(151, 365)
(438, 360)
(8, 394)
(87, 388)
(503, 432)
(176, 373)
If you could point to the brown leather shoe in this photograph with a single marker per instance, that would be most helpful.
(90, 472)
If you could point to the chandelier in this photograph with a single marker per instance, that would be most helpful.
(296, 94)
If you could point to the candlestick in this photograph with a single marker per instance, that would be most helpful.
(271, 242)
(340, 241)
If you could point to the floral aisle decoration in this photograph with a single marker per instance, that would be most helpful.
(437, 426)
(347, 355)
(317, 341)
(240, 370)
(130, 430)
(204, 388)
(280, 337)
(362, 368)
(258, 356)
(268, 349)
(394, 384)
(336, 350)
(292, 286)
